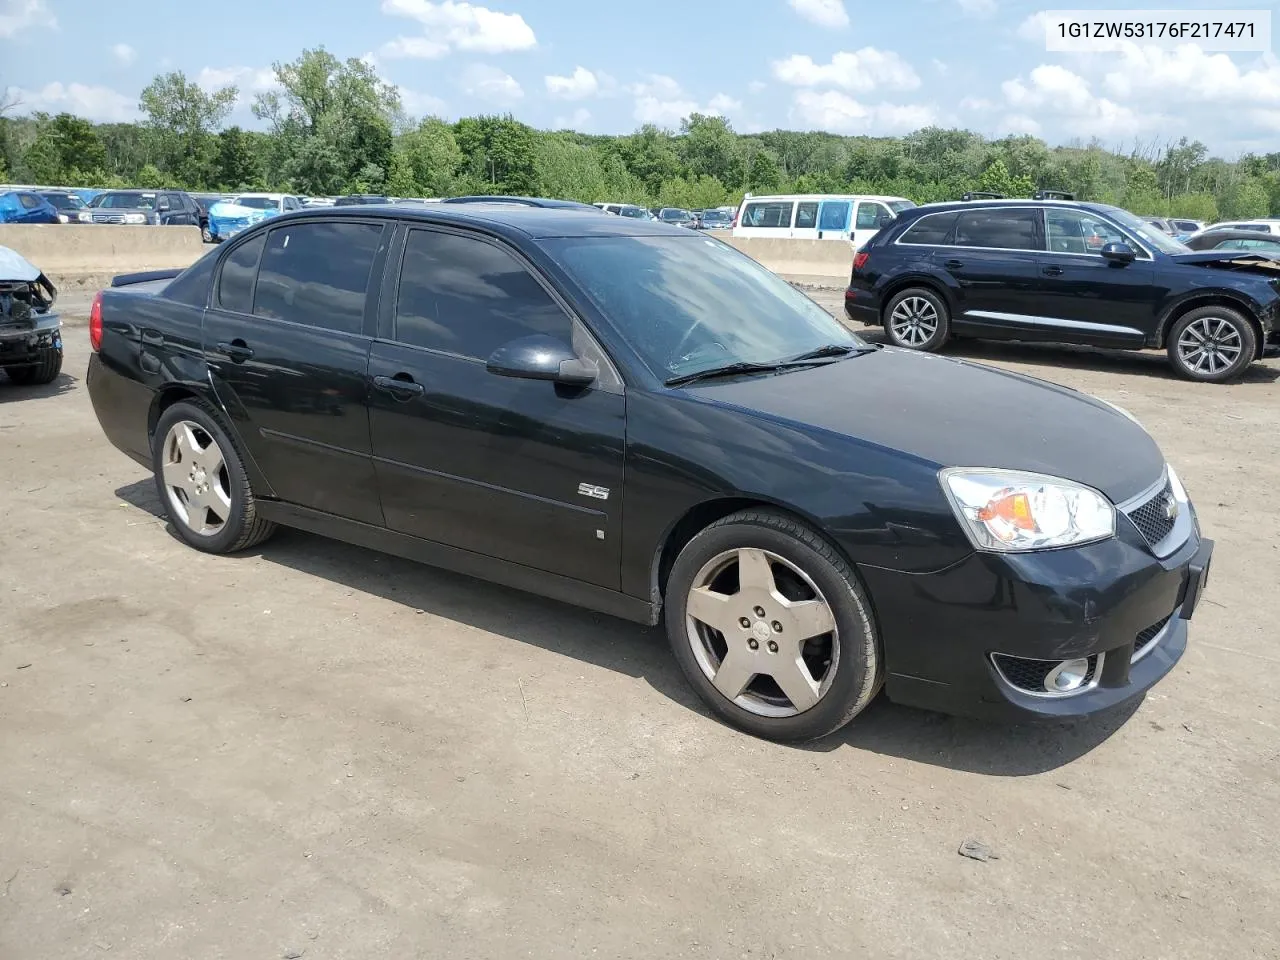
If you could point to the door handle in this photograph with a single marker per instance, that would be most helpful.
(401, 386)
(1052, 271)
(953, 264)
(237, 350)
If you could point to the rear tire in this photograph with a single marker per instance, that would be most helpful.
(1212, 344)
(45, 370)
(202, 483)
(803, 608)
(917, 319)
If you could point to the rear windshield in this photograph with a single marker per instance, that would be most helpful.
(259, 203)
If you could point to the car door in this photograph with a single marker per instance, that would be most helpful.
(1087, 298)
(525, 470)
(991, 256)
(833, 219)
(871, 216)
(33, 209)
(287, 342)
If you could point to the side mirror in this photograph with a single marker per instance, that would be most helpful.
(539, 357)
(1118, 253)
(163, 205)
(885, 220)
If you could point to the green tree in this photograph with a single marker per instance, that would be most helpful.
(763, 175)
(237, 167)
(499, 154)
(650, 155)
(434, 156)
(1194, 206)
(182, 118)
(400, 179)
(1245, 200)
(997, 179)
(709, 146)
(569, 170)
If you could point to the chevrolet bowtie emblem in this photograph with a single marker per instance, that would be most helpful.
(1170, 507)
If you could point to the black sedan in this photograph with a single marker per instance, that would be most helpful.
(1243, 240)
(564, 404)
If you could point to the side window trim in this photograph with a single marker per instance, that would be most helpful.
(386, 327)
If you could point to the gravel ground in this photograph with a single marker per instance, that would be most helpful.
(313, 750)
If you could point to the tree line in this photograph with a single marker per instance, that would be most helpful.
(334, 127)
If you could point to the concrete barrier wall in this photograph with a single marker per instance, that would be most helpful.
(810, 258)
(79, 255)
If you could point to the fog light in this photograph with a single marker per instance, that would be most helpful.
(1067, 676)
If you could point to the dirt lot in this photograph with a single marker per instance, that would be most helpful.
(313, 750)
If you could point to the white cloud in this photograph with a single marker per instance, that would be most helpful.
(1054, 91)
(1035, 27)
(661, 101)
(421, 104)
(94, 103)
(1019, 123)
(825, 13)
(575, 121)
(835, 112)
(977, 8)
(124, 53)
(861, 71)
(490, 84)
(977, 104)
(249, 80)
(755, 86)
(16, 15)
(456, 25)
(580, 85)
(1189, 74)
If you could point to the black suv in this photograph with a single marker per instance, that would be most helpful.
(1064, 272)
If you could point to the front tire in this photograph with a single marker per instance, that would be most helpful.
(44, 370)
(917, 319)
(205, 235)
(772, 628)
(1212, 344)
(202, 481)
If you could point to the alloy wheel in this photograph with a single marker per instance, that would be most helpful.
(1209, 345)
(914, 321)
(196, 478)
(762, 632)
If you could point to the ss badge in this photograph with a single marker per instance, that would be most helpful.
(591, 490)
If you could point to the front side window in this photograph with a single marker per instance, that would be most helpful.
(1075, 231)
(869, 214)
(999, 229)
(317, 274)
(466, 296)
(235, 285)
(29, 201)
(776, 215)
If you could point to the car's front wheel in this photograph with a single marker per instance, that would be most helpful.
(202, 481)
(1212, 344)
(44, 370)
(771, 627)
(918, 319)
(205, 235)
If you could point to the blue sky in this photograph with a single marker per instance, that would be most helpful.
(606, 66)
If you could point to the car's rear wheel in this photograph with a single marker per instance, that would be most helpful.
(1212, 344)
(918, 319)
(45, 370)
(202, 481)
(772, 628)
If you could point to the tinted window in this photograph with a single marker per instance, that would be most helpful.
(930, 230)
(469, 297)
(235, 286)
(317, 274)
(1073, 231)
(1186, 226)
(834, 216)
(806, 216)
(192, 285)
(28, 200)
(768, 214)
(1002, 229)
(1260, 227)
(869, 215)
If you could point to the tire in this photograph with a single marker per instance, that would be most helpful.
(45, 370)
(230, 520)
(1211, 344)
(205, 235)
(842, 669)
(917, 319)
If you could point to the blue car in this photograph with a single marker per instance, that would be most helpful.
(23, 206)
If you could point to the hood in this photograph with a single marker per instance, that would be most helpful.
(954, 413)
(230, 210)
(15, 267)
(1221, 256)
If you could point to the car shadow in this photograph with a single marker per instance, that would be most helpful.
(1143, 363)
(885, 728)
(11, 392)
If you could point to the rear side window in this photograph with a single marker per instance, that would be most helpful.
(834, 215)
(930, 230)
(468, 297)
(317, 274)
(235, 285)
(768, 214)
(1000, 229)
(192, 285)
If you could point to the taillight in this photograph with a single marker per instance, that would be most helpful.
(95, 323)
(860, 259)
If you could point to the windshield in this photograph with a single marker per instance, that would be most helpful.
(635, 213)
(131, 201)
(64, 201)
(671, 214)
(897, 206)
(1151, 236)
(715, 215)
(690, 305)
(258, 203)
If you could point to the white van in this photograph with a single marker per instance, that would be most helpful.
(817, 216)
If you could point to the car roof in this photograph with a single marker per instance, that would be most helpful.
(545, 202)
(948, 205)
(535, 223)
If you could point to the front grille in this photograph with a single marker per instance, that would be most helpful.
(1152, 518)
(1145, 637)
(108, 218)
(1027, 674)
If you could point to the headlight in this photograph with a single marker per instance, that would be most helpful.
(84, 216)
(1010, 511)
(62, 218)
(135, 218)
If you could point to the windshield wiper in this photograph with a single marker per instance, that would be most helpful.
(830, 350)
(728, 370)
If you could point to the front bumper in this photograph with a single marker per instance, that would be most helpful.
(1098, 601)
(24, 343)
